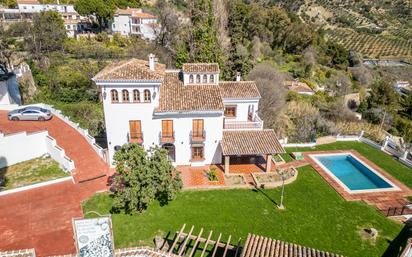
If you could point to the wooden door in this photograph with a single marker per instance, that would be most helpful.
(197, 128)
(135, 128)
(167, 128)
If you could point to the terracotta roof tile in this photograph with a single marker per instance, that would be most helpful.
(250, 142)
(298, 86)
(200, 67)
(175, 97)
(133, 69)
(28, 2)
(135, 12)
(253, 247)
(239, 89)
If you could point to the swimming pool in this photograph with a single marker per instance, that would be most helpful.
(353, 174)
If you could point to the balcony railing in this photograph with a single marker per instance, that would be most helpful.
(197, 136)
(135, 137)
(255, 123)
(167, 137)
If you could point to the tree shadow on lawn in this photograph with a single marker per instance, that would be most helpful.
(259, 190)
(397, 245)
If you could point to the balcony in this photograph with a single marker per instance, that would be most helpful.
(254, 123)
(167, 137)
(197, 136)
(135, 137)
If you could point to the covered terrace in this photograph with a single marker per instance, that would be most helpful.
(249, 150)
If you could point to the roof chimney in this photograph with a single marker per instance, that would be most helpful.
(152, 62)
(238, 76)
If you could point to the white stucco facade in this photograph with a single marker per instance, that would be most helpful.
(135, 22)
(37, 7)
(194, 123)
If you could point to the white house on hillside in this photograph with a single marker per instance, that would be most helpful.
(26, 9)
(198, 118)
(132, 21)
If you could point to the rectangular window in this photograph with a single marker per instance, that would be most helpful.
(197, 128)
(135, 129)
(230, 111)
(197, 153)
(167, 128)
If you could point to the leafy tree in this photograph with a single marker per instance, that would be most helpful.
(383, 97)
(204, 46)
(47, 33)
(103, 9)
(143, 177)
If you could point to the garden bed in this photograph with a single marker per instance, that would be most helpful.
(30, 172)
(277, 159)
(235, 180)
(273, 179)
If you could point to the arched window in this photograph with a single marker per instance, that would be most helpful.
(204, 79)
(191, 79)
(125, 95)
(197, 78)
(136, 96)
(212, 79)
(115, 96)
(147, 97)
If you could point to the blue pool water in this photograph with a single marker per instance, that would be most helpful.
(352, 173)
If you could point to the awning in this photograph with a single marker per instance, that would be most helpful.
(250, 142)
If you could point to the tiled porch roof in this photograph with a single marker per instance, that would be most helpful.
(250, 142)
(239, 89)
(263, 246)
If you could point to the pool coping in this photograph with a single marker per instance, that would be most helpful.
(374, 198)
(393, 187)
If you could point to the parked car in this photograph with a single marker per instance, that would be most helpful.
(30, 113)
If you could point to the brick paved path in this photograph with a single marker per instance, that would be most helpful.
(41, 218)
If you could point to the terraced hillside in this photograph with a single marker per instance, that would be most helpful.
(372, 46)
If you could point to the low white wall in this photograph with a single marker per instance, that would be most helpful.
(15, 148)
(84, 132)
(20, 147)
(58, 154)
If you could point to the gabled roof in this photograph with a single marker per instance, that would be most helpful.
(239, 89)
(250, 142)
(200, 67)
(28, 2)
(175, 97)
(263, 246)
(131, 70)
(135, 12)
(298, 86)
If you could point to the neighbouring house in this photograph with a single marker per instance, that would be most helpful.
(9, 89)
(403, 87)
(199, 119)
(26, 9)
(299, 87)
(133, 21)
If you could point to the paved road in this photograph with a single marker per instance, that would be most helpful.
(41, 218)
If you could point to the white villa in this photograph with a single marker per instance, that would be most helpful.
(198, 118)
(73, 22)
(132, 21)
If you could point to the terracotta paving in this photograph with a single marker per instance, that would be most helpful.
(381, 200)
(196, 177)
(41, 217)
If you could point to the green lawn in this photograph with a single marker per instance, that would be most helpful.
(386, 162)
(31, 172)
(315, 216)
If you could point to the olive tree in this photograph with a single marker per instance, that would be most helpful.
(143, 177)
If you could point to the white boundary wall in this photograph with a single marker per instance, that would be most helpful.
(400, 156)
(22, 146)
(84, 132)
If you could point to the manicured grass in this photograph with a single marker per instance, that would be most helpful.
(31, 172)
(385, 161)
(287, 157)
(315, 216)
